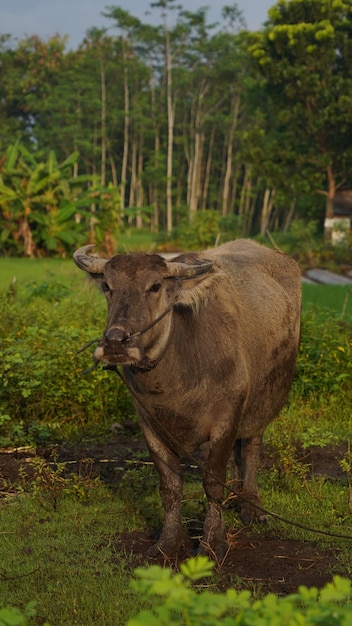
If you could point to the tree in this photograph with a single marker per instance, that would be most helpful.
(305, 57)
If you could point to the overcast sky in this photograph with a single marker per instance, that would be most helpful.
(45, 18)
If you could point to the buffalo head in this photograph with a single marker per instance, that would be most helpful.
(141, 290)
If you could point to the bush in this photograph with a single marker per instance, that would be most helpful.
(324, 364)
(310, 249)
(175, 601)
(42, 392)
(200, 232)
(12, 616)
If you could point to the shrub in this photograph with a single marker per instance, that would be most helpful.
(42, 391)
(175, 601)
(200, 232)
(12, 616)
(325, 359)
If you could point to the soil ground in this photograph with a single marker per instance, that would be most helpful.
(262, 561)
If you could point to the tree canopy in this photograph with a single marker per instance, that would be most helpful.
(176, 115)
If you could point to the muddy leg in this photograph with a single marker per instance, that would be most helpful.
(214, 541)
(169, 470)
(246, 454)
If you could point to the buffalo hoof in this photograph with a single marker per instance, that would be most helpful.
(251, 511)
(170, 549)
(216, 552)
(161, 550)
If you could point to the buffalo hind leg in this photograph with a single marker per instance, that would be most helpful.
(246, 454)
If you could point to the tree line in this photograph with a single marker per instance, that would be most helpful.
(155, 122)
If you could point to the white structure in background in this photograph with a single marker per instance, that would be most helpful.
(338, 227)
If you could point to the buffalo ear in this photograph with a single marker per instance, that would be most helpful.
(195, 281)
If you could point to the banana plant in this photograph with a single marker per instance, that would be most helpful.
(43, 209)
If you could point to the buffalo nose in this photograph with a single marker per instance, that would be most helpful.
(116, 335)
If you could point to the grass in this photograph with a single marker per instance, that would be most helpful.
(335, 298)
(35, 271)
(67, 560)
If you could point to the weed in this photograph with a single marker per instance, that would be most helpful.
(283, 451)
(49, 483)
(313, 436)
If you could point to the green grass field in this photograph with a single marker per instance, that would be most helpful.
(335, 298)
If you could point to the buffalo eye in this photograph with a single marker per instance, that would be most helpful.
(105, 287)
(154, 288)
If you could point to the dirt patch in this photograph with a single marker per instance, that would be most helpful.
(264, 562)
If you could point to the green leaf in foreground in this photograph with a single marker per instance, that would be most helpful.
(181, 604)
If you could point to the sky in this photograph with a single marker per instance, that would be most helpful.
(45, 18)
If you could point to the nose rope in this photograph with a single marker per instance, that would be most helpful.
(141, 332)
(128, 338)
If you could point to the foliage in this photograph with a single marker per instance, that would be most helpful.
(305, 243)
(207, 229)
(12, 616)
(45, 210)
(177, 602)
(42, 390)
(201, 117)
(201, 232)
(325, 363)
(304, 57)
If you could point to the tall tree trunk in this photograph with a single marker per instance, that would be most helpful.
(208, 169)
(103, 123)
(329, 210)
(126, 129)
(196, 165)
(156, 201)
(140, 194)
(113, 170)
(268, 200)
(247, 203)
(234, 111)
(155, 193)
(93, 207)
(133, 183)
(289, 216)
(170, 138)
(249, 217)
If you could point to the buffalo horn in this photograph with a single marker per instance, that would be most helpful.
(91, 264)
(184, 270)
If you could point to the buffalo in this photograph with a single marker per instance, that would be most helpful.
(208, 343)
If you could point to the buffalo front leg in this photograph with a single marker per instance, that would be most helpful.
(214, 541)
(169, 469)
(246, 453)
